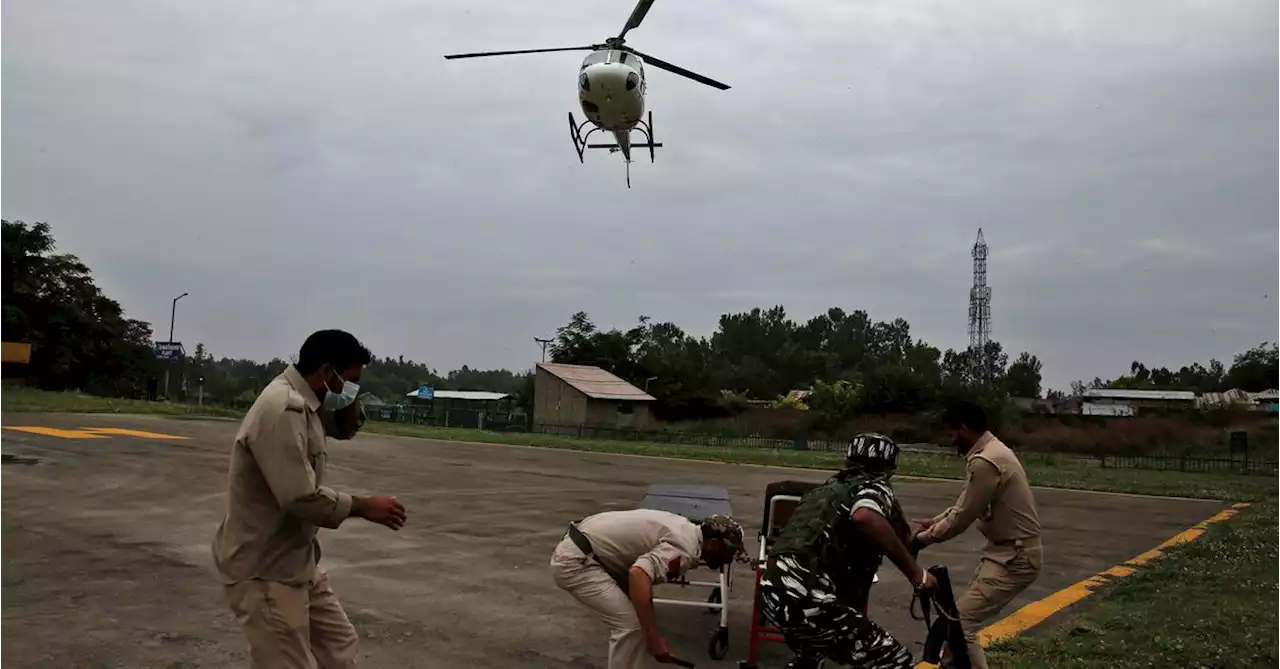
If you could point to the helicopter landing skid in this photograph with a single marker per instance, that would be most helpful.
(580, 140)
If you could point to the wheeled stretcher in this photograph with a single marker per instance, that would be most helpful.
(780, 501)
(697, 503)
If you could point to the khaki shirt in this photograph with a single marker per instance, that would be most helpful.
(665, 545)
(277, 499)
(996, 495)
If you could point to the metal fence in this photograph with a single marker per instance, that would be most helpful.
(1184, 463)
(1241, 463)
(685, 438)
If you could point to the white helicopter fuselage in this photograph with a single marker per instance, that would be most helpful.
(611, 89)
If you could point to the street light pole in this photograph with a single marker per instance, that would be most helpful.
(543, 343)
(173, 312)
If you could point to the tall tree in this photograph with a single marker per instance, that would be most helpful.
(79, 337)
(1023, 377)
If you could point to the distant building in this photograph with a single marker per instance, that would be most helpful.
(461, 408)
(1126, 402)
(1241, 400)
(1267, 400)
(1227, 399)
(567, 395)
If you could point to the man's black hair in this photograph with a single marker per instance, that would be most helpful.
(967, 413)
(336, 347)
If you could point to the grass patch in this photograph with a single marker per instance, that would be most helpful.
(1044, 470)
(28, 400)
(1209, 604)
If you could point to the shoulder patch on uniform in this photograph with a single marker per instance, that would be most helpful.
(673, 568)
(973, 465)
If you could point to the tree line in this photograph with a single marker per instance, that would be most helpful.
(845, 358)
(238, 381)
(82, 340)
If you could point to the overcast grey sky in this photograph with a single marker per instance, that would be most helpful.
(312, 163)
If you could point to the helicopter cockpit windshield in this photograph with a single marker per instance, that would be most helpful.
(607, 56)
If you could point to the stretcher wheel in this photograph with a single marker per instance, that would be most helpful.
(714, 598)
(719, 644)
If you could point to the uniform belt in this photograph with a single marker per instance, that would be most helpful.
(584, 544)
(580, 540)
(1019, 543)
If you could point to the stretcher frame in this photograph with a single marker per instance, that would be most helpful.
(697, 503)
(777, 511)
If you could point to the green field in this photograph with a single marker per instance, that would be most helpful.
(1209, 604)
(26, 400)
(1048, 471)
(1044, 470)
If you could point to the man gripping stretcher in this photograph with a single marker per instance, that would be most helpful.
(818, 575)
(610, 562)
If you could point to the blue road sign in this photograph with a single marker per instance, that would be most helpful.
(426, 393)
(169, 350)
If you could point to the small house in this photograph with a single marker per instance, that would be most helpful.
(582, 395)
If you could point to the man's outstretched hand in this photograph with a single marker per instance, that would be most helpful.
(385, 511)
(928, 586)
(659, 649)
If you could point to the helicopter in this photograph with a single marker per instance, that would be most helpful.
(611, 90)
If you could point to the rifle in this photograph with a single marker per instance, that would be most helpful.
(946, 629)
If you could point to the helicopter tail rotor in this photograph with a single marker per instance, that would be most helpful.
(676, 69)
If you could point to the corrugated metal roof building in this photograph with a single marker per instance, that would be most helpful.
(585, 395)
(1226, 399)
(1106, 401)
(1130, 394)
(465, 395)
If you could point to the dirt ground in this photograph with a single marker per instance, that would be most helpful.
(106, 548)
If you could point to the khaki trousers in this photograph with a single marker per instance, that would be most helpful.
(294, 627)
(1001, 575)
(595, 589)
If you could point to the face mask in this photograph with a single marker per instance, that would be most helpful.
(343, 399)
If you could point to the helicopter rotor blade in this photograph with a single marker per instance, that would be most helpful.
(676, 69)
(519, 51)
(637, 15)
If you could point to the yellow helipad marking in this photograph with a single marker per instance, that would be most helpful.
(1037, 612)
(55, 432)
(90, 432)
(120, 431)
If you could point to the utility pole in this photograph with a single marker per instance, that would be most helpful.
(543, 343)
(172, 313)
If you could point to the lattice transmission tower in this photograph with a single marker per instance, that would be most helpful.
(979, 314)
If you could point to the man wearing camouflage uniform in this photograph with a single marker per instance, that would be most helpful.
(819, 572)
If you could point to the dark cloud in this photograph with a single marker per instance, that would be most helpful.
(303, 164)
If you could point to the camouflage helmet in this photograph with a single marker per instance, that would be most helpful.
(726, 529)
(872, 450)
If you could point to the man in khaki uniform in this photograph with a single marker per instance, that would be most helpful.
(998, 497)
(265, 550)
(610, 562)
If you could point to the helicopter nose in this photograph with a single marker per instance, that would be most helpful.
(606, 78)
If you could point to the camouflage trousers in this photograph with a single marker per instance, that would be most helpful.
(816, 626)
